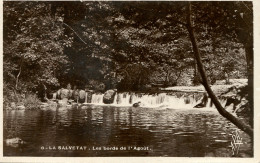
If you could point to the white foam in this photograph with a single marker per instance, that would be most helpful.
(161, 100)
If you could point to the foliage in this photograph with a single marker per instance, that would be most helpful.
(119, 44)
(21, 98)
(33, 45)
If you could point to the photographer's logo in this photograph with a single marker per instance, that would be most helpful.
(235, 143)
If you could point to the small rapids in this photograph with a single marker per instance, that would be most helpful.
(162, 100)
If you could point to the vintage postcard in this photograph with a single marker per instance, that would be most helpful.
(129, 81)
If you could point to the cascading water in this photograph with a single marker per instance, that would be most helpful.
(97, 98)
(155, 100)
(86, 97)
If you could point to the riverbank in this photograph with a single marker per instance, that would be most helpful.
(220, 88)
(19, 101)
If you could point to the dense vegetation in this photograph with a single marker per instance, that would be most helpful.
(131, 46)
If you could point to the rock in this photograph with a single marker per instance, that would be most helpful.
(109, 96)
(13, 105)
(20, 107)
(82, 96)
(54, 96)
(14, 142)
(71, 101)
(89, 96)
(44, 105)
(75, 95)
(64, 93)
(63, 102)
(52, 104)
(137, 104)
(232, 100)
(7, 108)
(58, 93)
(200, 105)
(70, 94)
(203, 102)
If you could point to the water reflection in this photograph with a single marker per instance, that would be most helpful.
(168, 132)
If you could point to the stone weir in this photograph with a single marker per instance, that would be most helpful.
(175, 97)
(169, 100)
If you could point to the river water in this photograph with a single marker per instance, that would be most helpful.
(121, 131)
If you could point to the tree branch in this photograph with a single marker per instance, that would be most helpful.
(75, 33)
(17, 77)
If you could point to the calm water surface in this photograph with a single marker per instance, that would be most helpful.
(166, 132)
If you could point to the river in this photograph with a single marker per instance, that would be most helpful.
(103, 130)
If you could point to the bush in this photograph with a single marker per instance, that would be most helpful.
(97, 85)
(12, 99)
(31, 101)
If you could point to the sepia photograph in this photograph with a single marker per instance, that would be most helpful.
(128, 79)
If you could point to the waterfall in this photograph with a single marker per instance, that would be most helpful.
(86, 97)
(97, 98)
(155, 100)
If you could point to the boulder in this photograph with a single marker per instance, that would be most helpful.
(75, 95)
(52, 103)
(13, 105)
(64, 93)
(70, 94)
(44, 105)
(63, 102)
(137, 104)
(109, 96)
(54, 96)
(58, 93)
(82, 96)
(20, 107)
(71, 102)
(203, 102)
(14, 142)
(89, 96)
(232, 100)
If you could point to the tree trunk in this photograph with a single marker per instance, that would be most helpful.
(178, 77)
(195, 70)
(246, 128)
(250, 71)
(17, 77)
(45, 93)
(166, 82)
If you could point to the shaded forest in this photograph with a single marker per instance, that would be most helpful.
(120, 44)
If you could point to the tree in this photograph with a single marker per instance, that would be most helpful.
(232, 21)
(205, 82)
(33, 46)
